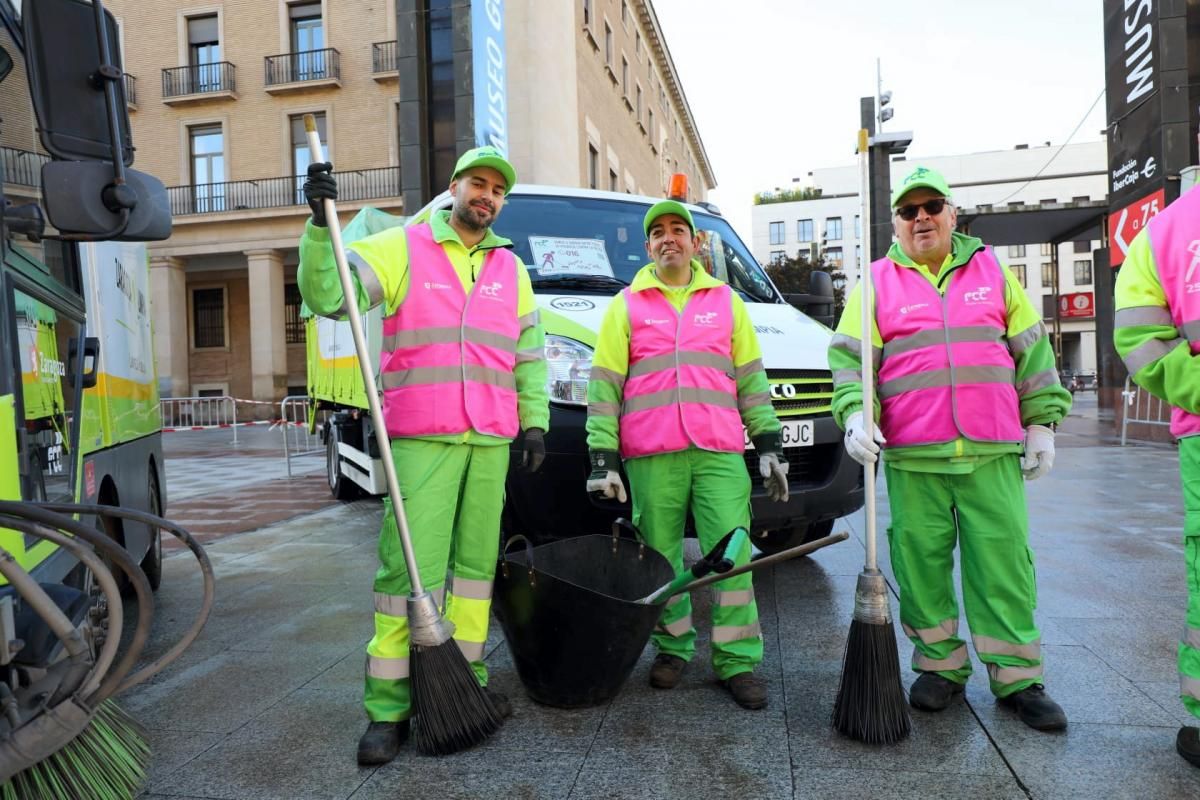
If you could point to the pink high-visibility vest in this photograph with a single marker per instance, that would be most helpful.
(447, 356)
(1176, 247)
(681, 391)
(946, 370)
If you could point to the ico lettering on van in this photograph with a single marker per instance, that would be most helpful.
(783, 391)
(978, 296)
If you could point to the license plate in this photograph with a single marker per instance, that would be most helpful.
(795, 433)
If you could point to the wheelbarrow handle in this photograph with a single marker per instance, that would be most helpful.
(766, 561)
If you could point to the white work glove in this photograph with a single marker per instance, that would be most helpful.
(604, 479)
(774, 471)
(1039, 452)
(858, 444)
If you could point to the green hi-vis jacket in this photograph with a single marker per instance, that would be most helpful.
(1043, 399)
(610, 364)
(379, 267)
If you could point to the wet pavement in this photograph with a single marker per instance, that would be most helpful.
(267, 703)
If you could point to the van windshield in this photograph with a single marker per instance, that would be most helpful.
(587, 244)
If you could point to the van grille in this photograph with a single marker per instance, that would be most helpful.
(810, 390)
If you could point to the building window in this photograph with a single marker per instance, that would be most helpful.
(1084, 246)
(624, 76)
(625, 13)
(804, 230)
(204, 53)
(650, 125)
(1016, 251)
(778, 256)
(593, 167)
(637, 46)
(208, 317)
(1019, 271)
(1047, 274)
(833, 257)
(1083, 273)
(608, 45)
(307, 32)
(587, 13)
(833, 228)
(613, 184)
(857, 226)
(207, 145)
(776, 229)
(1047, 249)
(638, 106)
(293, 325)
(300, 155)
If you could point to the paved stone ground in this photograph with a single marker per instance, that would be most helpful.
(267, 703)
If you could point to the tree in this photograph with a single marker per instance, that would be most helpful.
(792, 276)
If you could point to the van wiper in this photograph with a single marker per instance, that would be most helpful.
(576, 281)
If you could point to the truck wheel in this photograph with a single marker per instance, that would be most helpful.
(771, 542)
(342, 487)
(152, 562)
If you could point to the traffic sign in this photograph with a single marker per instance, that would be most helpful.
(1123, 225)
(1077, 304)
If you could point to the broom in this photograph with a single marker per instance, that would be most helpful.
(451, 711)
(870, 704)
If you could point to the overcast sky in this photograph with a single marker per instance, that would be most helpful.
(774, 85)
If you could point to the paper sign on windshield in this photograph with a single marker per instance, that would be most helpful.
(558, 256)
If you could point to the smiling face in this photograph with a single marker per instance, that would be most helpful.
(478, 197)
(670, 242)
(925, 238)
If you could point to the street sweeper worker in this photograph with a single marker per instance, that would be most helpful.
(1157, 333)
(463, 374)
(676, 373)
(968, 401)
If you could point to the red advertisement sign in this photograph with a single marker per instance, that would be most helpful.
(1078, 304)
(1123, 225)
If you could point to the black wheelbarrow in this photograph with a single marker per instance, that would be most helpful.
(578, 612)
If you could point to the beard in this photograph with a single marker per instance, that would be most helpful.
(475, 219)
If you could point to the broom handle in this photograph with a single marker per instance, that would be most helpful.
(360, 347)
(868, 340)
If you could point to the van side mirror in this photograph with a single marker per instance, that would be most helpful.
(818, 302)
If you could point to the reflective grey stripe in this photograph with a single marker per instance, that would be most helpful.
(723, 634)
(472, 650)
(530, 355)
(844, 376)
(1006, 675)
(608, 376)
(749, 401)
(1147, 353)
(677, 628)
(749, 368)
(490, 338)
(683, 357)
(841, 341)
(367, 277)
(738, 597)
(393, 605)
(418, 337)
(951, 662)
(1038, 380)
(388, 669)
(966, 333)
(1142, 315)
(604, 409)
(1191, 330)
(1189, 687)
(652, 364)
(938, 633)
(425, 375)
(1191, 637)
(1027, 338)
(941, 377)
(685, 394)
(997, 647)
(529, 320)
(471, 588)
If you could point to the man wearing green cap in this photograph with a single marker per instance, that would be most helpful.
(463, 372)
(968, 399)
(676, 375)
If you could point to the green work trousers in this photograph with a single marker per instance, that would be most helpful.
(984, 512)
(715, 487)
(1189, 646)
(453, 494)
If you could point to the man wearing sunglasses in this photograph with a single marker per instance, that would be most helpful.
(968, 399)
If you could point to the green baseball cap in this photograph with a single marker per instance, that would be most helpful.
(668, 207)
(921, 177)
(487, 156)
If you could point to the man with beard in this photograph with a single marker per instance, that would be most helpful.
(463, 371)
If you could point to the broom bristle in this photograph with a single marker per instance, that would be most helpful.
(107, 760)
(871, 706)
(451, 711)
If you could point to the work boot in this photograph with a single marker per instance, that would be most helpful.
(932, 692)
(748, 691)
(1187, 744)
(666, 671)
(381, 742)
(1036, 709)
(500, 703)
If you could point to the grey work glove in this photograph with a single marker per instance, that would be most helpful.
(533, 450)
(1039, 452)
(604, 480)
(320, 187)
(771, 465)
(862, 448)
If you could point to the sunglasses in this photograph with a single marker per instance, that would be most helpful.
(932, 208)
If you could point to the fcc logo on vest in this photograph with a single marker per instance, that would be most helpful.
(978, 296)
(707, 320)
(491, 291)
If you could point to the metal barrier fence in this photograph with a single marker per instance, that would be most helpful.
(295, 418)
(1142, 408)
(198, 413)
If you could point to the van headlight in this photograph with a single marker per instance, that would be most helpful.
(568, 367)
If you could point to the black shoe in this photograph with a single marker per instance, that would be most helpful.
(381, 742)
(748, 691)
(666, 671)
(1187, 744)
(500, 703)
(1036, 709)
(932, 692)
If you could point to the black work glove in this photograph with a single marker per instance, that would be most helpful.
(534, 446)
(771, 465)
(320, 187)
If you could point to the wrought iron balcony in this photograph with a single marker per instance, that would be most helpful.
(219, 77)
(304, 67)
(281, 192)
(383, 57)
(21, 167)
